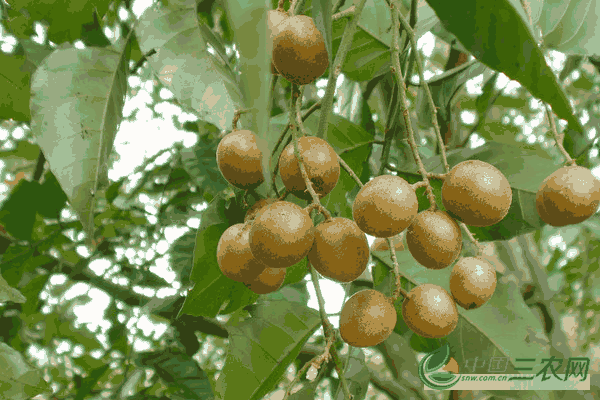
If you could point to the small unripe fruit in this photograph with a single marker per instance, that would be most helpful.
(385, 206)
(240, 160)
(429, 311)
(476, 193)
(472, 282)
(234, 256)
(367, 318)
(320, 163)
(281, 235)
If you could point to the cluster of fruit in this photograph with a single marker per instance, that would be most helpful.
(278, 234)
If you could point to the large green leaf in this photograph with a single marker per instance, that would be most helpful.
(66, 21)
(262, 347)
(200, 81)
(77, 98)
(357, 375)
(503, 327)
(15, 77)
(18, 379)
(568, 26)
(498, 36)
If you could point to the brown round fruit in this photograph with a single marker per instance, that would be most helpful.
(476, 193)
(340, 251)
(234, 256)
(282, 235)
(320, 162)
(569, 196)
(274, 18)
(299, 52)
(267, 281)
(385, 206)
(429, 311)
(257, 208)
(240, 160)
(367, 318)
(434, 239)
(380, 244)
(472, 282)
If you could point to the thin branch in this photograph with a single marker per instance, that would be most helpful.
(398, 291)
(346, 13)
(558, 138)
(403, 104)
(350, 172)
(420, 69)
(472, 238)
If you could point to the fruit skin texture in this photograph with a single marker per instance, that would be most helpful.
(476, 193)
(257, 208)
(569, 196)
(268, 281)
(299, 52)
(320, 162)
(434, 239)
(274, 18)
(472, 282)
(367, 318)
(340, 251)
(234, 256)
(385, 206)
(381, 244)
(281, 235)
(240, 160)
(429, 311)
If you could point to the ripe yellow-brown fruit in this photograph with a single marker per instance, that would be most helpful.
(320, 162)
(385, 206)
(234, 256)
(257, 208)
(340, 251)
(282, 235)
(299, 52)
(429, 311)
(569, 196)
(274, 18)
(476, 193)
(472, 282)
(380, 244)
(434, 239)
(240, 160)
(367, 318)
(267, 281)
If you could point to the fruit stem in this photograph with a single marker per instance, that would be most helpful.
(420, 69)
(558, 138)
(307, 114)
(346, 13)
(397, 70)
(472, 238)
(350, 172)
(398, 291)
(329, 332)
(321, 209)
(309, 186)
(236, 117)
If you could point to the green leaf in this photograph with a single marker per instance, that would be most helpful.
(65, 22)
(18, 211)
(183, 64)
(8, 293)
(357, 375)
(180, 370)
(321, 14)
(76, 106)
(499, 37)
(90, 381)
(18, 379)
(15, 79)
(262, 347)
